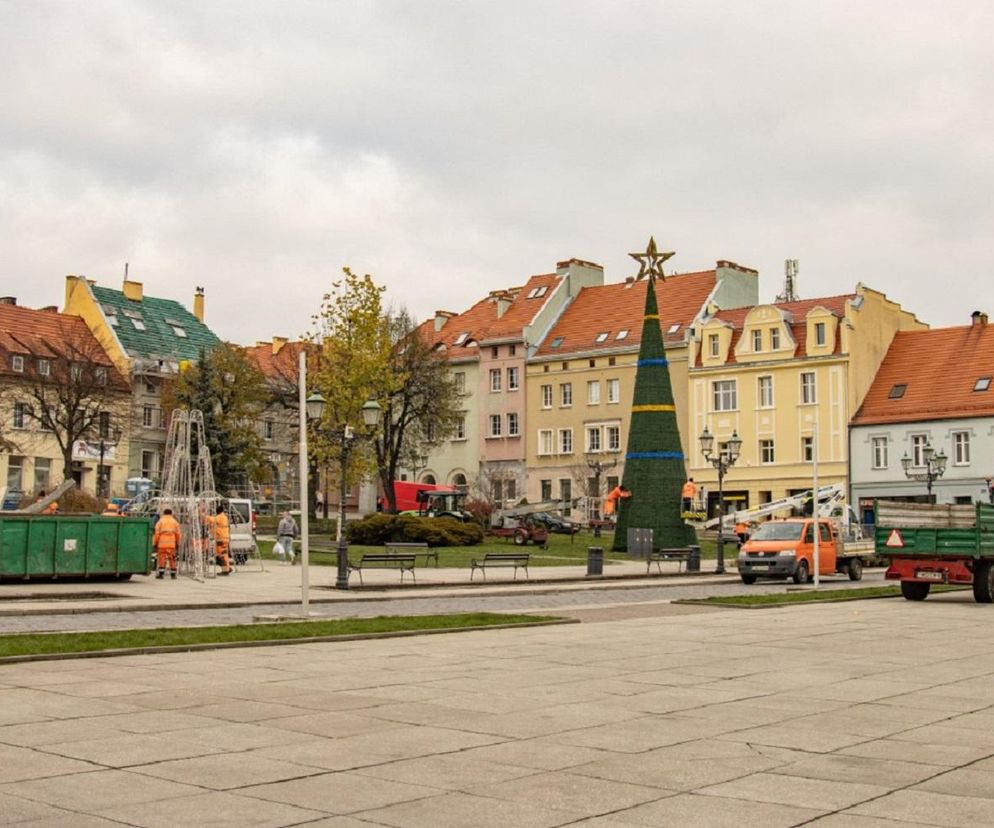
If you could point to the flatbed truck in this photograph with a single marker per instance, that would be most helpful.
(928, 543)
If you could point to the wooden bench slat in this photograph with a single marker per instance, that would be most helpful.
(680, 555)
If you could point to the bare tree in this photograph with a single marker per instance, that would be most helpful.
(74, 390)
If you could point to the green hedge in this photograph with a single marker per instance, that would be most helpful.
(378, 529)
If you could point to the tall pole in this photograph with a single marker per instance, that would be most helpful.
(815, 511)
(342, 581)
(100, 471)
(719, 568)
(305, 584)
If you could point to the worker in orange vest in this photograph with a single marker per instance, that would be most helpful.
(222, 537)
(611, 501)
(742, 530)
(688, 493)
(165, 541)
(111, 510)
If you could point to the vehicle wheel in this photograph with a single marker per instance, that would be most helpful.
(855, 569)
(983, 583)
(748, 579)
(520, 538)
(801, 573)
(915, 590)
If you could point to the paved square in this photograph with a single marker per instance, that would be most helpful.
(870, 714)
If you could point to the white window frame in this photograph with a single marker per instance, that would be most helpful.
(44, 367)
(495, 380)
(21, 415)
(612, 437)
(714, 345)
(807, 449)
(593, 392)
(724, 395)
(961, 448)
(546, 442)
(767, 452)
(565, 443)
(565, 395)
(821, 333)
(879, 452)
(918, 443)
(774, 339)
(547, 396)
(613, 391)
(594, 439)
(17, 363)
(148, 416)
(764, 391)
(622, 334)
(495, 423)
(513, 424)
(757, 341)
(460, 381)
(513, 378)
(459, 432)
(809, 388)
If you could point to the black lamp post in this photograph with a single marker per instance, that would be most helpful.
(598, 467)
(935, 467)
(722, 460)
(371, 413)
(103, 487)
(990, 489)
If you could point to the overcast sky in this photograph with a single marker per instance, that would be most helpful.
(451, 148)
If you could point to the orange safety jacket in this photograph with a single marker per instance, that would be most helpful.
(167, 533)
(689, 490)
(222, 529)
(611, 501)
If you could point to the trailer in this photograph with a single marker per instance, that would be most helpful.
(929, 544)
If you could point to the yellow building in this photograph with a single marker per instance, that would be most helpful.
(581, 378)
(64, 406)
(787, 378)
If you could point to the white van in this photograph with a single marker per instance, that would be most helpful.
(241, 520)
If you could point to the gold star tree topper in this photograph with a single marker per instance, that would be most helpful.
(651, 262)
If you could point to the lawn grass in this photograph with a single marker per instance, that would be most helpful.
(86, 642)
(561, 551)
(808, 596)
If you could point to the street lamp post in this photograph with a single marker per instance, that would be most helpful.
(598, 467)
(371, 412)
(722, 460)
(935, 467)
(103, 487)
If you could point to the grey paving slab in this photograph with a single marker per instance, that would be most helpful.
(571, 792)
(216, 810)
(457, 810)
(918, 807)
(237, 770)
(970, 782)
(451, 772)
(683, 810)
(819, 794)
(20, 763)
(89, 792)
(339, 793)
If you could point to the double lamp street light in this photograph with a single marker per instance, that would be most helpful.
(722, 460)
(347, 437)
(934, 467)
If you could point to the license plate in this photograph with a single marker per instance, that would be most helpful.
(760, 564)
(930, 576)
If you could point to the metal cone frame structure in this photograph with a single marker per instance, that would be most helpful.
(654, 463)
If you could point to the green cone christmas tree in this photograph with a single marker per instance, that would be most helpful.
(654, 463)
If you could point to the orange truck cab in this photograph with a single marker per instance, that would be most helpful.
(786, 549)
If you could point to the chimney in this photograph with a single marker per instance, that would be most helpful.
(979, 318)
(198, 303)
(49, 309)
(132, 290)
(441, 317)
(8, 300)
(278, 343)
(503, 303)
(580, 274)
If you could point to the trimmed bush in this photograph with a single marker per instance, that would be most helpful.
(379, 529)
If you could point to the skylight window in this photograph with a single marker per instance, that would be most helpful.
(602, 337)
(179, 331)
(622, 334)
(556, 342)
(673, 328)
(461, 338)
(132, 314)
(139, 325)
(982, 384)
(537, 292)
(897, 391)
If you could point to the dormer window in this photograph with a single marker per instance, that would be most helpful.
(44, 367)
(602, 337)
(459, 340)
(101, 376)
(897, 391)
(622, 334)
(17, 364)
(819, 333)
(757, 340)
(774, 339)
(713, 344)
(982, 384)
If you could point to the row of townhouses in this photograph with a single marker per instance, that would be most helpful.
(852, 384)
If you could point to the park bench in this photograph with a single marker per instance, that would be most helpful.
(601, 524)
(378, 560)
(416, 549)
(491, 559)
(681, 555)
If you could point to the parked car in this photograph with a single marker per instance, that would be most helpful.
(554, 523)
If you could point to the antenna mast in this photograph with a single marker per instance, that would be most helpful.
(789, 282)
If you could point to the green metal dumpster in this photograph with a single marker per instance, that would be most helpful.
(74, 546)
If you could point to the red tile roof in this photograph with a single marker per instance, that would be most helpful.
(619, 306)
(50, 335)
(940, 368)
(523, 308)
(282, 365)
